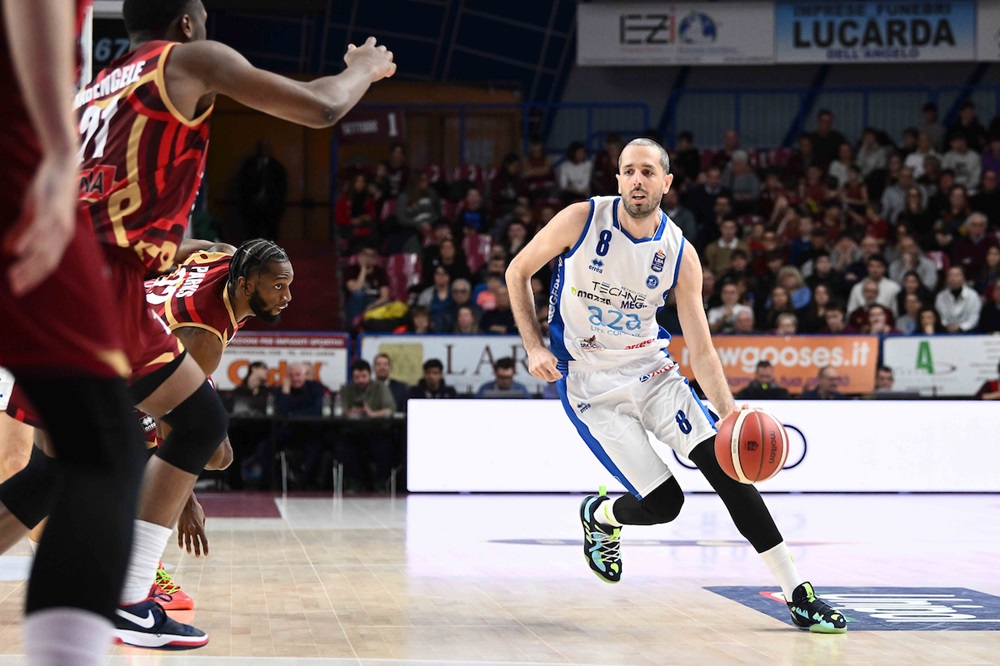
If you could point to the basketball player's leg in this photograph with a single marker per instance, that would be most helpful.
(16, 440)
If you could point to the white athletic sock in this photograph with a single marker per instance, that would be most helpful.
(606, 514)
(33, 545)
(60, 636)
(148, 544)
(782, 566)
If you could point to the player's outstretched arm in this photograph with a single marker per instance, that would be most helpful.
(202, 68)
(697, 338)
(40, 38)
(560, 234)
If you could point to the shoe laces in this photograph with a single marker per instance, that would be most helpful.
(166, 583)
(609, 545)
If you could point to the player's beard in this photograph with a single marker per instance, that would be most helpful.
(643, 210)
(259, 308)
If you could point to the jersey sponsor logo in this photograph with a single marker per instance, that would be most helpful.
(590, 344)
(596, 265)
(640, 345)
(583, 406)
(646, 378)
(586, 295)
(624, 293)
(556, 286)
(97, 180)
(659, 259)
(652, 281)
(629, 304)
(887, 608)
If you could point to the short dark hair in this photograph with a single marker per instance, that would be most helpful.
(432, 364)
(505, 363)
(361, 364)
(253, 366)
(824, 112)
(929, 106)
(884, 368)
(763, 363)
(152, 16)
(685, 135)
(879, 258)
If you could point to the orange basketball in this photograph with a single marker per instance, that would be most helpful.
(751, 445)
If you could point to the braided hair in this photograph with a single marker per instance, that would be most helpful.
(250, 259)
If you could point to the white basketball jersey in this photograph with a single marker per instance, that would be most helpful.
(6, 386)
(607, 289)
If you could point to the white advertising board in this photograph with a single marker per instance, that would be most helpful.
(324, 354)
(942, 365)
(835, 446)
(682, 33)
(988, 30)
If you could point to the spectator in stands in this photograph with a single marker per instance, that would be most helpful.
(499, 320)
(989, 316)
(786, 324)
(398, 389)
(466, 321)
(846, 257)
(957, 303)
(869, 223)
(989, 274)
(730, 144)
(701, 198)
(854, 192)
(722, 319)
(419, 320)
(990, 390)
(763, 385)
(879, 321)
(826, 140)
(812, 192)
(820, 271)
(906, 323)
(987, 200)
(884, 379)
(826, 386)
(515, 237)
(432, 384)
(836, 322)
(742, 180)
(539, 176)
(398, 171)
(356, 444)
(680, 215)
(709, 297)
(839, 166)
(928, 322)
(915, 215)
(887, 289)
(991, 156)
(930, 126)
(969, 127)
(418, 208)
(685, 163)
(872, 156)
(472, 216)
(447, 255)
(894, 197)
(437, 299)
(915, 160)
(355, 210)
(790, 278)
(262, 188)
(931, 178)
(718, 255)
(603, 181)
(868, 294)
(910, 283)
(943, 243)
(573, 174)
(298, 396)
(774, 196)
(744, 323)
(742, 275)
(938, 199)
(912, 260)
(778, 303)
(909, 145)
(508, 187)
(812, 317)
(774, 261)
(484, 293)
(970, 248)
(800, 161)
(250, 396)
(503, 384)
(367, 284)
(965, 162)
(461, 294)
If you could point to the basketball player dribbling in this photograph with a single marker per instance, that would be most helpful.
(618, 258)
(60, 340)
(143, 124)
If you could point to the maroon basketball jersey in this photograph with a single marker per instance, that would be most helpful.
(141, 160)
(196, 294)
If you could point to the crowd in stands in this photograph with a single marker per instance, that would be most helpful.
(869, 234)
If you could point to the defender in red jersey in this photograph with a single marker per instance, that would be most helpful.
(64, 352)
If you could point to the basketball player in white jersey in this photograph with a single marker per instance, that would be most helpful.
(618, 258)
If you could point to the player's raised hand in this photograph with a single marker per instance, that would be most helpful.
(377, 58)
(46, 225)
(542, 364)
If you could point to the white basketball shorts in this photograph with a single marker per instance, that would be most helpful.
(6, 386)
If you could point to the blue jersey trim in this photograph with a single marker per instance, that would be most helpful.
(586, 228)
(708, 415)
(677, 268)
(655, 237)
(591, 441)
(557, 327)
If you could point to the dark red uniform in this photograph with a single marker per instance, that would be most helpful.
(142, 162)
(64, 326)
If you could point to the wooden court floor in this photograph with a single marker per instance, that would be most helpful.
(501, 579)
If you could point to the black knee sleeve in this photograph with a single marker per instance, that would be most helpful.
(743, 501)
(198, 425)
(660, 506)
(31, 493)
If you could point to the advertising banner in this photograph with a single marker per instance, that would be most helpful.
(325, 356)
(467, 359)
(942, 365)
(676, 33)
(796, 360)
(834, 446)
(884, 31)
(371, 125)
(988, 30)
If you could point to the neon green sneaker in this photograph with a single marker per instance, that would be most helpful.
(812, 613)
(601, 547)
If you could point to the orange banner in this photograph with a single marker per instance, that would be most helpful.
(796, 359)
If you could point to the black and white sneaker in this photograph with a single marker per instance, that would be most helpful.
(812, 613)
(601, 544)
(147, 625)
